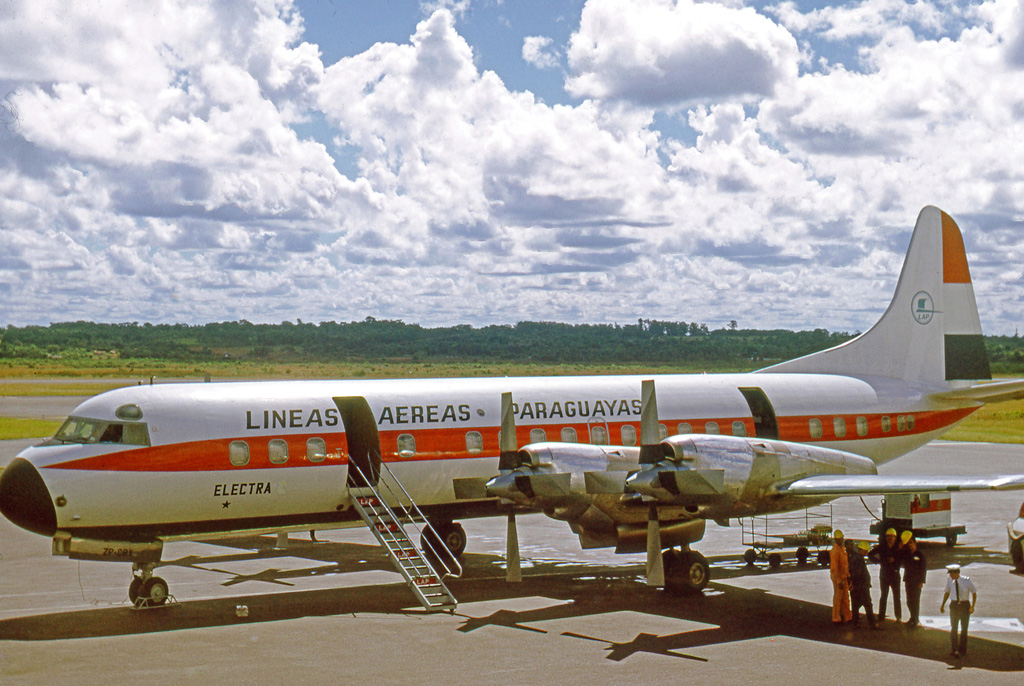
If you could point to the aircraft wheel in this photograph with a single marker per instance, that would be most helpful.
(823, 558)
(688, 572)
(154, 589)
(454, 537)
(950, 540)
(447, 535)
(774, 560)
(750, 556)
(698, 571)
(801, 555)
(1017, 554)
(134, 589)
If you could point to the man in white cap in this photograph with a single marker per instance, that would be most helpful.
(960, 610)
(839, 566)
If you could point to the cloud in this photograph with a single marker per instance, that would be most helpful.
(710, 167)
(676, 53)
(537, 50)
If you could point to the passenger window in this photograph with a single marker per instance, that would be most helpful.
(711, 428)
(238, 453)
(278, 451)
(598, 435)
(862, 426)
(538, 435)
(474, 442)
(406, 445)
(901, 423)
(684, 428)
(910, 422)
(739, 429)
(662, 431)
(316, 450)
(628, 434)
(568, 435)
(886, 424)
(839, 426)
(815, 427)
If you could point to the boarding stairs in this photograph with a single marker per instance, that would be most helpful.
(389, 511)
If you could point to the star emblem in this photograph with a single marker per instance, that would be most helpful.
(226, 504)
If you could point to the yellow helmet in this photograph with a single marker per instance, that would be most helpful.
(864, 545)
(890, 531)
(906, 536)
(837, 534)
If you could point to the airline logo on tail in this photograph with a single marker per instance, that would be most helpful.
(924, 307)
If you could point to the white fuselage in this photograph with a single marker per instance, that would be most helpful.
(191, 477)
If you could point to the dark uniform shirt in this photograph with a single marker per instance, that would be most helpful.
(888, 559)
(915, 567)
(860, 578)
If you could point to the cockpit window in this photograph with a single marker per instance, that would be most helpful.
(82, 430)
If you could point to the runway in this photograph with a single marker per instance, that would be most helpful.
(333, 610)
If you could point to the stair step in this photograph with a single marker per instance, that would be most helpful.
(415, 568)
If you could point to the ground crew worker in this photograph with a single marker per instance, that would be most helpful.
(887, 555)
(915, 568)
(840, 572)
(960, 610)
(860, 582)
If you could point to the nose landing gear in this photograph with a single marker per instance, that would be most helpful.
(146, 590)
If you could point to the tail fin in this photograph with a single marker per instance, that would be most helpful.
(931, 331)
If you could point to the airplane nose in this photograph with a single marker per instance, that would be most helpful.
(25, 500)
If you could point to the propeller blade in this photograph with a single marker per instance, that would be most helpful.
(513, 569)
(650, 435)
(699, 482)
(549, 485)
(470, 488)
(508, 443)
(655, 566)
(600, 483)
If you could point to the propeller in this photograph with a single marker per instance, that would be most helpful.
(508, 444)
(650, 453)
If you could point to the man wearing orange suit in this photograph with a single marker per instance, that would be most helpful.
(840, 572)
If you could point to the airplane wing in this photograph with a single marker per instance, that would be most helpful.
(877, 484)
(995, 392)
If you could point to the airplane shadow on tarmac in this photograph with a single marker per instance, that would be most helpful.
(732, 614)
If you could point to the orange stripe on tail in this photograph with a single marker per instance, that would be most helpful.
(954, 257)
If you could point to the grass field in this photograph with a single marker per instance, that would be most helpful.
(1000, 423)
(13, 428)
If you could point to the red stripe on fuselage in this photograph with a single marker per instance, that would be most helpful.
(450, 442)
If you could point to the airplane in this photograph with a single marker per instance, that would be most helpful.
(638, 463)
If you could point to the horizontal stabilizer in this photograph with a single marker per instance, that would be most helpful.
(995, 392)
(876, 484)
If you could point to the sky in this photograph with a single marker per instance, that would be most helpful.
(486, 162)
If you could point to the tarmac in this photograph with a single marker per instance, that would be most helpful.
(332, 610)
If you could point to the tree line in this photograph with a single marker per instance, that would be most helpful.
(380, 339)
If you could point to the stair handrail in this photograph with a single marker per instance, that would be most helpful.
(449, 563)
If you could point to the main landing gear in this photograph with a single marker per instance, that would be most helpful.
(147, 590)
(686, 571)
(449, 534)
